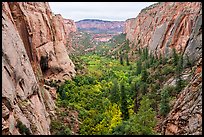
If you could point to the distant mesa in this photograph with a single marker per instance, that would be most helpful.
(101, 30)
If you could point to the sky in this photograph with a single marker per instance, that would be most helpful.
(111, 11)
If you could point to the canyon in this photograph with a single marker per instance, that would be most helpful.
(36, 48)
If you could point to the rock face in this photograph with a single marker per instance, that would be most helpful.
(70, 29)
(70, 26)
(186, 116)
(44, 36)
(167, 25)
(33, 49)
(162, 27)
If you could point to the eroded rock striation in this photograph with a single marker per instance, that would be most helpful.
(162, 27)
(167, 25)
(33, 50)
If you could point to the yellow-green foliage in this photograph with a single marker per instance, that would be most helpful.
(111, 120)
(90, 94)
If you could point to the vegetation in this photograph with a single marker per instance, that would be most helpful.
(58, 128)
(117, 95)
(22, 128)
(164, 106)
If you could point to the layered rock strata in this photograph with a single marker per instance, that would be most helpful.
(167, 25)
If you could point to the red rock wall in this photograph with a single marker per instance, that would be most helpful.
(43, 34)
(30, 31)
(163, 26)
(71, 29)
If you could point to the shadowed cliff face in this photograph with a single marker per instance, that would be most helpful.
(162, 27)
(33, 49)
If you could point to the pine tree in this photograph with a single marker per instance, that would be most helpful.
(127, 61)
(139, 67)
(121, 59)
(146, 53)
(144, 74)
(124, 104)
(114, 92)
(179, 69)
(143, 122)
(175, 57)
(164, 105)
(151, 60)
(136, 96)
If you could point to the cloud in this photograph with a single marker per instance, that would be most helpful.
(100, 10)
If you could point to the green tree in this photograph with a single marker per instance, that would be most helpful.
(121, 59)
(141, 123)
(144, 74)
(175, 57)
(124, 104)
(146, 53)
(115, 97)
(164, 105)
(136, 96)
(127, 61)
(138, 67)
(179, 81)
(152, 59)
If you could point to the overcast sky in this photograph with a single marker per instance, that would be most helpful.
(112, 11)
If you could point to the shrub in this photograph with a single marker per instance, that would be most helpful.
(22, 128)
(167, 70)
(57, 128)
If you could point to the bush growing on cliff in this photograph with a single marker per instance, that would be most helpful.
(22, 128)
(58, 128)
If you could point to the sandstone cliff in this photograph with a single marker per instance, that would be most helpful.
(167, 25)
(71, 29)
(33, 51)
(162, 27)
